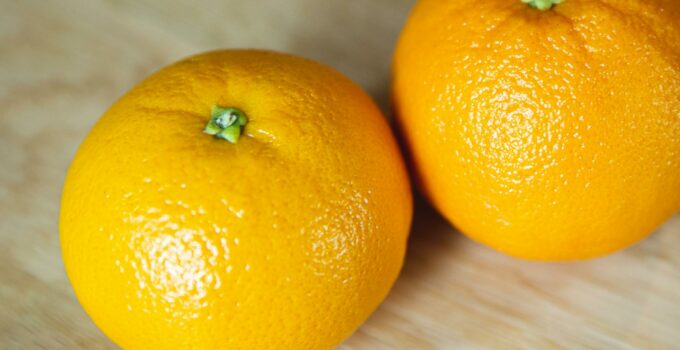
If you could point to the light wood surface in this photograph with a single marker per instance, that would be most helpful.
(62, 63)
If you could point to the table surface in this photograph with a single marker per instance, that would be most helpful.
(62, 63)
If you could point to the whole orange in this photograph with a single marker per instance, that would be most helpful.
(549, 135)
(286, 237)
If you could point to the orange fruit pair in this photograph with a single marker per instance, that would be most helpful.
(248, 199)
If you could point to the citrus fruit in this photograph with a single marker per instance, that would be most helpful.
(548, 130)
(236, 200)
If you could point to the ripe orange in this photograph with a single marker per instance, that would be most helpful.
(550, 135)
(287, 238)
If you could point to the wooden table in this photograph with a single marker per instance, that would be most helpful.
(62, 63)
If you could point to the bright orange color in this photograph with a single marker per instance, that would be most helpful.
(288, 239)
(549, 135)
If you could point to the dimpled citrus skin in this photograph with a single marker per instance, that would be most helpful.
(288, 239)
(548, 135)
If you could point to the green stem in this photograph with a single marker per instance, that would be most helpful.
(542, 4)
(226, 123)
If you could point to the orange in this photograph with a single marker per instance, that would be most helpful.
(286, 237)
(547, 135)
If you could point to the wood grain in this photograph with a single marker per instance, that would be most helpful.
(62, 63)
